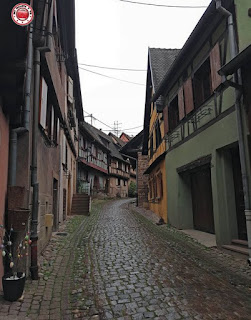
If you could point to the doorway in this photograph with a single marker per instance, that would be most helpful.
(55, 204)
(202, 199)
(239, 195)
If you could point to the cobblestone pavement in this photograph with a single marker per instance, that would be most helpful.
(119, 265)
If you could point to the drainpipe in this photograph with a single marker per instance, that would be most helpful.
(34, 180)
(26, 121)
(238, 95)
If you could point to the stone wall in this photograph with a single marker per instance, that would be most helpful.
(142, 180)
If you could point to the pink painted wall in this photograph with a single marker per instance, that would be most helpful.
(4, 152)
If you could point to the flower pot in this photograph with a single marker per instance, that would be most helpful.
(13, 287)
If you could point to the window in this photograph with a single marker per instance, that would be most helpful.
(157, 134)
(66, 156)
(202, 88)
(118, 182)
(173, 114)
(150, 189)
(48, 119)
(159, 185)
(43, 103)
(124, 183)
(151, 146)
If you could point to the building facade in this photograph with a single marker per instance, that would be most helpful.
(202, 160)
(159, 61)
(40, 110)
(92, 161)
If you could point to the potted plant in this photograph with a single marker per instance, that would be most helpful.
(13, 280)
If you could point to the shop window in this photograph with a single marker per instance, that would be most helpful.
(173, 114)
(202, 88)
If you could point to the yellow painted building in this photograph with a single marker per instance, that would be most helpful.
(159, 61)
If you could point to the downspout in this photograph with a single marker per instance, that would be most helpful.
(26, 121)
(238, 95)
(34, 179)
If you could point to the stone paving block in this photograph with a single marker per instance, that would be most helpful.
(117, 265)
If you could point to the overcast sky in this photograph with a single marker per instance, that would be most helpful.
(111, 33)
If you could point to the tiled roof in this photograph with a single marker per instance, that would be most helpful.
(160, 62)
(120, 142)
(94, 133)
(98, 135)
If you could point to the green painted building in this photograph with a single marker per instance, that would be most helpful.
(203, 166)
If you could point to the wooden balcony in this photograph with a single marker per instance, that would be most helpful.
(119, 173)
(214, 109)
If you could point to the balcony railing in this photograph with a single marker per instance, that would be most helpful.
(202, 116)
(119, 172)
(92, 159)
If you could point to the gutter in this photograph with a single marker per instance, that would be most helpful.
(27, 103)
(34, 180)
(242, 146)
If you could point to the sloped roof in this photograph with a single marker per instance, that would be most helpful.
(120, 142)
(134, 145)
(94, 133)
(126, 136)
(97, 135)
(160, 62)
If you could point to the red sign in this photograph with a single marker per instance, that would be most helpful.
(22, 14)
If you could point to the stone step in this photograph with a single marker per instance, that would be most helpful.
(238, 249)
(239, 242)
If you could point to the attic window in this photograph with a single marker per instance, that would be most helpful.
(173, 114)
(202, 87)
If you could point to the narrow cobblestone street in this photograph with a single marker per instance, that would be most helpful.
(116, 265)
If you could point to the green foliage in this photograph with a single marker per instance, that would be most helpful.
(132, 189)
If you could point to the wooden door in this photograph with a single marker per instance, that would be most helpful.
(202, 199)
(239, 195)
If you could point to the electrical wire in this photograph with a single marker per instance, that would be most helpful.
(98, 120)
(110, 68)
(133, 128)
(164, 5)
(89, 114)
(103, 75)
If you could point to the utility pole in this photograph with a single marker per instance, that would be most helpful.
(116, 129)
(90, 116)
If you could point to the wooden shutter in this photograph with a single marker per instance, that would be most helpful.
(165, 116)
(70, 89)
(215, 65)
(181, 103)
(188, 95)
(43, 103)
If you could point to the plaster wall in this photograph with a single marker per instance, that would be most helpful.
(211, 141)
(48, 169)
(115, 190)
(159, 206)
(243, 23)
